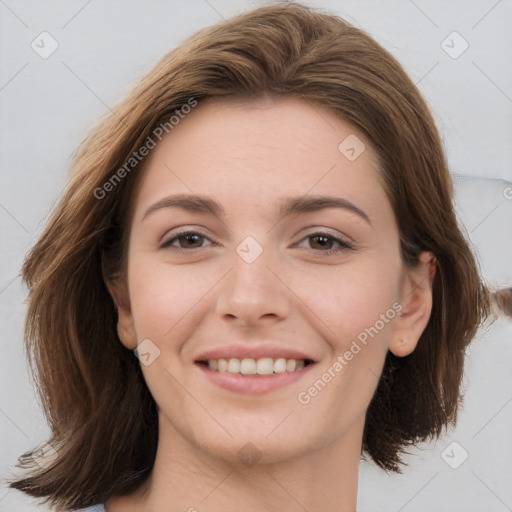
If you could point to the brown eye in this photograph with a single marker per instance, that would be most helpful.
(321, 242)
(187, 241)
(190, 240)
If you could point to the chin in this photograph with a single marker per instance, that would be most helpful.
(250, 446)
(257, 451)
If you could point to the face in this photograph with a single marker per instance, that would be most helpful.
(291, 260)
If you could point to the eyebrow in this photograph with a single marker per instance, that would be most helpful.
(289, 206)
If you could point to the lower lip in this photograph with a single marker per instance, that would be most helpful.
(253, 384)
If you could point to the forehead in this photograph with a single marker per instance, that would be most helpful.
(254, 153)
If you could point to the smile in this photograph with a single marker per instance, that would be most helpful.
(249, 376)
(261, 366)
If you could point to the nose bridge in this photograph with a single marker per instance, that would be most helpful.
(252, 289)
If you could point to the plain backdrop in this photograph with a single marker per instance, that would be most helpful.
(457, 52)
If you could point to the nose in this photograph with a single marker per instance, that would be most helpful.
(253, 293)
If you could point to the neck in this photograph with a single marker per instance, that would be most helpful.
(184, 478)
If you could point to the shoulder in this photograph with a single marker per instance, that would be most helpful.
(96, 508)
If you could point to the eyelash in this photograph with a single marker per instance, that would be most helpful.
(344, 245)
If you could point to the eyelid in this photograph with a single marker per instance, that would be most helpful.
(166, 243)
(345, 245)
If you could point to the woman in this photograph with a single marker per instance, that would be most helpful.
(266, 222)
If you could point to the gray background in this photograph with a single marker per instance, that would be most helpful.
(48, 106)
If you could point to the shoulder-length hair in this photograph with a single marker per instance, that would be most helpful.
(103, 419)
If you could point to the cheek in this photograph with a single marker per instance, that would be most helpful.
(358, 310)
(351, 298)
(167, 300)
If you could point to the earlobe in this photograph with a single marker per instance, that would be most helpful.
(125, 327)
(127, 337)
(401, 347)
(416, 299)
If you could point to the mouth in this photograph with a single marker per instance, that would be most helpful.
(263, 366)
(248, 376)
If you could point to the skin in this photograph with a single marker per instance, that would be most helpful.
(248, 156)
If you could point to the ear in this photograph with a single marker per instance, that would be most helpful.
(416, 300)
(118, 289)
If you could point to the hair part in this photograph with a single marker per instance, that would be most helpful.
(103, 419)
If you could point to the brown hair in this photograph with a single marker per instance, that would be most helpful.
(102, 416)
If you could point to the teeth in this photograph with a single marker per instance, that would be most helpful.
(280, 365)
(248, 367)
(234, 365)
(263, 366)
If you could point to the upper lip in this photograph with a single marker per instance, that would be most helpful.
(253, 352)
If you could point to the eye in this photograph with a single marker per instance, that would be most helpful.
(187, 241)
(325, 241)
